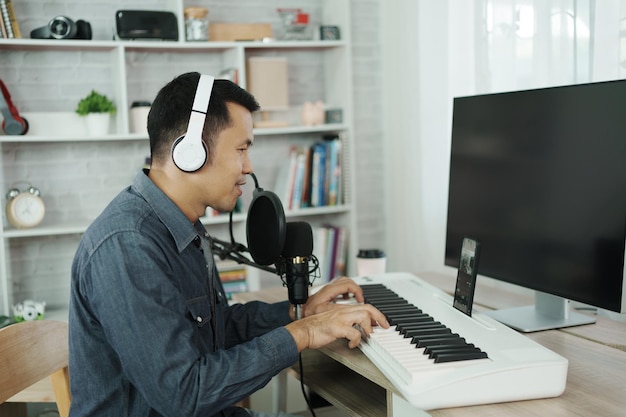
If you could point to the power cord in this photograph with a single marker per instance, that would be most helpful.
(304, 393)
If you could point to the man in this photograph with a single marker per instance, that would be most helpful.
(151, 333)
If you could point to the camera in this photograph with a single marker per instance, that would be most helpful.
(62, 27)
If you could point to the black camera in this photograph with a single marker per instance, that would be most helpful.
(62, 27)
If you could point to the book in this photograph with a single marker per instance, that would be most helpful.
(3, 30)
(6, 20)
(10, 19)
(318, 174)
(298, 182)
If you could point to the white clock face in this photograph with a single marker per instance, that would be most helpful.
(25, 210)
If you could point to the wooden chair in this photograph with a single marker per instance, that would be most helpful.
(29, 352)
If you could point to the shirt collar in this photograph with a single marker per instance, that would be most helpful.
(182, 230)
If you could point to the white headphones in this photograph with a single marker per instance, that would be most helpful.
(189, 151)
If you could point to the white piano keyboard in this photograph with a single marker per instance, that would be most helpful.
(438, 357)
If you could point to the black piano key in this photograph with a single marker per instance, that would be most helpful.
(388, 303)
(443, 341)
(423, 341)
(395, 318)
(421, 325)
(415, 321)
(418, 323)
(461, 356)
(423, 334)
(433, 351)
(403, 310)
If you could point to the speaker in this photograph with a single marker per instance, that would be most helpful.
(146, 24)
(62, 27)
(189, 151)
(12, 124)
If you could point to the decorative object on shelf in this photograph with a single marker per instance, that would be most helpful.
(334, 116)
(62, 27)
(25, 208)
(295, 25)
(312, 113)
(29, 310)
(269, 84)
(12, 124)
(329, 33)
(139, 117)
(97, 110)
(228, 32)
(196, 23)
(146, 24)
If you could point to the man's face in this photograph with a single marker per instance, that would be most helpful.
(221, 180)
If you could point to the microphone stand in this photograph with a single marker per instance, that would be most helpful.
(235, 251)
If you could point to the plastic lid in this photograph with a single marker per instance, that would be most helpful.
(195, 12)
(370, 253)
(141, 104)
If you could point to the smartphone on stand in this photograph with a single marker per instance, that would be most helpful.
(466, 275)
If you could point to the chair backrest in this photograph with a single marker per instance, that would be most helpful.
(29, 352)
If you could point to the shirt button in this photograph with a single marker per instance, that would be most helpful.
(199, 319)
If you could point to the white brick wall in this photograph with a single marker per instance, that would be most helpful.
(80, 178)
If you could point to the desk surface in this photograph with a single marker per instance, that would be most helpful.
(345, 377)
(595, 384)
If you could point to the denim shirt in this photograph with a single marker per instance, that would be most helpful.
(145, 339)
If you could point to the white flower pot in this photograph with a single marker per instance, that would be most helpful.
(97, 123)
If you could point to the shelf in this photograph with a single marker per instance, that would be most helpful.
(333, 127)
(104, 45)
(326, 128)
(105, 138)
(46, 78)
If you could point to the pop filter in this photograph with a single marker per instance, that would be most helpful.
(265, 227)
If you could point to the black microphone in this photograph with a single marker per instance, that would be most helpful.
(296, 254)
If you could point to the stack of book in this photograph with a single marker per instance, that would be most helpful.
(9, 28)
(312, 176)
(233, 277)
(330, 244)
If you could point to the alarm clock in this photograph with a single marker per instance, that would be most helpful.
(25, 208)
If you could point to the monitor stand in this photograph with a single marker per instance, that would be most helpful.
(549, 312)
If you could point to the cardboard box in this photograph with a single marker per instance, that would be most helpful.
(239, 31)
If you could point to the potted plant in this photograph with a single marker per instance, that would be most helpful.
(97, 110)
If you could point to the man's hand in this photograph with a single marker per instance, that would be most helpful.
(348, 322)
(323, 299)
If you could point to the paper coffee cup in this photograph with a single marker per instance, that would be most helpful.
(370, 262)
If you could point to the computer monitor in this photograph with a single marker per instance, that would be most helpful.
(539, 178)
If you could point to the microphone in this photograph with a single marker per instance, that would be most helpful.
(297, 252)
(273, 241)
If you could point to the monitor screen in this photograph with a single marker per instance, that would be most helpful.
(539, 178)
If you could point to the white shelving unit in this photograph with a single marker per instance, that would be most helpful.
(79, 174)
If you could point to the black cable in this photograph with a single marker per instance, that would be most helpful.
(304, 394)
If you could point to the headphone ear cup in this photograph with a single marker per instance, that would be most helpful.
(15, 126)
(189, 156)
(83, 30)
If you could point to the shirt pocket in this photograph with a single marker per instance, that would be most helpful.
(200, 310)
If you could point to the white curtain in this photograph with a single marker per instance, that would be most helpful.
(434, 50)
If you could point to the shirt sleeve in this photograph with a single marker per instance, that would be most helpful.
(255, 318)
(138, 304)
